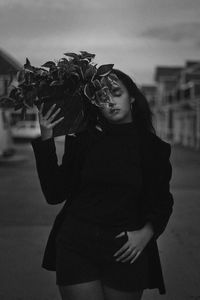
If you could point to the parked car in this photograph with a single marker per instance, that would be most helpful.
(27, 128)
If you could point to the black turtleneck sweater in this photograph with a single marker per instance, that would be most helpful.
(111, 179)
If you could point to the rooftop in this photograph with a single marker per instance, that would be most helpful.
(163, 71)
(149, 89)
(8, 64)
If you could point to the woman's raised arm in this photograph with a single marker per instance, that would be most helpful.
(56, 180)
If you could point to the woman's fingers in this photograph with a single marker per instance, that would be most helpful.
(41, 108)
(121, 234)
(46, 124)
(53, 116)
(130, 255)
(136, 256)
(125, 253)
(57, 121)
(122, 249)
(49, 111)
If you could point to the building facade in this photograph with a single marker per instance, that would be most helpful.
(11, 125)
(176, 105)
(8, 70)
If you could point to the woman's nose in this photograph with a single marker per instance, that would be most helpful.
(111, 102)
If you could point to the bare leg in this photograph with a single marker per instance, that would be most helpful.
(82, 291)
(113, 294)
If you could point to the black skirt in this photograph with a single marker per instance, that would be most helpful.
(84, 252)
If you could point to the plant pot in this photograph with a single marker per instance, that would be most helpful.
(72, 110)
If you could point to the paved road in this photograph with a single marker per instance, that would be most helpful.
(26, 219)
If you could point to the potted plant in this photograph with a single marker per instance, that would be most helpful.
(70, 82)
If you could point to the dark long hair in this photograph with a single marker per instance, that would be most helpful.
(141, 111)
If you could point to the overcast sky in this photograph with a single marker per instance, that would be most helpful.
(134, 35)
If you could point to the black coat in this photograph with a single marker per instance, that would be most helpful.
(61, 182)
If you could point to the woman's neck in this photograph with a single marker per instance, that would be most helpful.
(119, 128)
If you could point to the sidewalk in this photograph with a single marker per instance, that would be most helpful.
(15, 158)
(16, 154)
(20, 152)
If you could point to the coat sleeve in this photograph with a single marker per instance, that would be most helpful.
(55, 180)
(159, 205)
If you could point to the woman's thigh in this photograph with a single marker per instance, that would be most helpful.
(113, 294)
(82, 291)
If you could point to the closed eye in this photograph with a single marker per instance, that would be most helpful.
(117, 92)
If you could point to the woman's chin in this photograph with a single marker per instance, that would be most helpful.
(116, 117)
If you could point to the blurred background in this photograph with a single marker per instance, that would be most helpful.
(157, 43)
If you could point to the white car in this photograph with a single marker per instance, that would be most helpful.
(25, 129)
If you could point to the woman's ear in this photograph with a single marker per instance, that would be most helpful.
(132, 99)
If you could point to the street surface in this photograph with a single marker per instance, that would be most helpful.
(26, 220)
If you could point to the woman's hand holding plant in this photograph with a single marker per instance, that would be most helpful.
(46, 127)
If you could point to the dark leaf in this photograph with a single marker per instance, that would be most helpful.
(104, 70)
(13, 93)
(54, 73)
(56, 82)
(6, 102)
(102, 96)
(28, 67)
(29, 99)
(38, 69)
(97, 84)
(63, 63)
(75, 74)
(74, 68)
(85, 54)
(63, 59)
(21, 76)
(83, 63)
(49, 64)
(108, 83)
(27, 64)
(113, 77)
(89, 91)
(90, 72)
(81, 73)
(18, 106)
(74, 55)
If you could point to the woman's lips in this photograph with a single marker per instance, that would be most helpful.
(114, 110)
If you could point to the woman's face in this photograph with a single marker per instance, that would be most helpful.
(119, 111)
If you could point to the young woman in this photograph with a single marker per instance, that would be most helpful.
(114, 182)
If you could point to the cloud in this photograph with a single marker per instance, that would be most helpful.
(175, 33)
(117, 31)
(30, 19)
(51, 25)
(19, 20)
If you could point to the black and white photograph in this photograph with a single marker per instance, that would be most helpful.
(99, 150)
